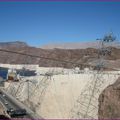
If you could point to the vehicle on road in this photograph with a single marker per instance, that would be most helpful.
(6, 103)
(3, 95)
(10, 110)
(17, 113)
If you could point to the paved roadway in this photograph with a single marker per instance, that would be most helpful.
(10, 102)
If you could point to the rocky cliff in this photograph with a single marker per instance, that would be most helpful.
(109, 102)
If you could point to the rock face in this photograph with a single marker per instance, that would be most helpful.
(109, 102)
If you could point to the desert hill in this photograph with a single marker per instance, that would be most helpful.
(86, 56)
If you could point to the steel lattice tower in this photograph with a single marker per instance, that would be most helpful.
(85, 106)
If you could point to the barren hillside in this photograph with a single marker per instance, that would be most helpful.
(88, 55)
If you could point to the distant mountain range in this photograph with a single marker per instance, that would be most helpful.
(78, 55)
(13, 44)
(75, 45)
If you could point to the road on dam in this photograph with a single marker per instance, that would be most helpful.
(9, 102)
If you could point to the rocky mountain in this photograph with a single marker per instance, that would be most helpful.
(88, 55)
(12, 44)
(109, 102)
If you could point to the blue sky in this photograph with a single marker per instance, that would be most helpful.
(39, 23)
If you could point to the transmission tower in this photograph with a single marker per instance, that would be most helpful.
(86, 105)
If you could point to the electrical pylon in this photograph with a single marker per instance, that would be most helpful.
(86, 105)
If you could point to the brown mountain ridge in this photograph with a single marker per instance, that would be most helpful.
(87, 56)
